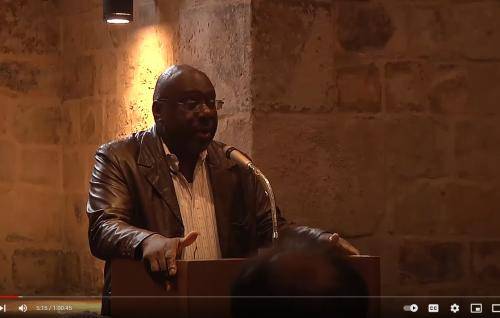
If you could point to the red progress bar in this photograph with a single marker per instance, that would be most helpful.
(9, 297)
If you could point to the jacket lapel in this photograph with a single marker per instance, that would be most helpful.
(153, 165)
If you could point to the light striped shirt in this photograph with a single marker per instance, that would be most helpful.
(197, 208)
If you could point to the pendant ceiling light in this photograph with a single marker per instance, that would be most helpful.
(118, 11)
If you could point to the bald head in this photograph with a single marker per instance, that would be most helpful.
(177, 77)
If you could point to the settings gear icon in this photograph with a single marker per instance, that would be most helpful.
(454, 308)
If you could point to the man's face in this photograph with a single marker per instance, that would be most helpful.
(188, 113)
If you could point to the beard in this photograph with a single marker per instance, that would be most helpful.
(186, 142)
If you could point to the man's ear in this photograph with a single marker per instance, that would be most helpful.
(156, 108)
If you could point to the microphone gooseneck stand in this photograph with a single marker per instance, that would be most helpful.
(243, 161)
(270, 194)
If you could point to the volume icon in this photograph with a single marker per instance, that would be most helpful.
(23, 308)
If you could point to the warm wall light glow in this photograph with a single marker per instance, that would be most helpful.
(150, 55)
(117, 21)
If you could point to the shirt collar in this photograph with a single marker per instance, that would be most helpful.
(173, 161)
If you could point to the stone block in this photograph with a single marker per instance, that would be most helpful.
(79, 77)
(87, 155)
(236, 130)
(29, 27)
(485, 261)
(32, 213)
(473, 210)
(70, 125)
(41, 166)
(91, 123)
(41, 125)
(406, 87)
(4, 272)
(39, 78)
(76, 224)
(106, 66)
(90, 36)
(92, 269)
(429, 31)
(8, 160)
(17, 76)
(481, 41)
(216, 39)
(327, 171)
(420, 210)
(293, 66)
(71, 8)
(449, 90)
(425, 262)
(417, 147)
(359, 89)
(117, 118)
(76, 205)
(41, 272)
(363, 26)
(73, 170)
(483, 87)
(148, 13)
(7, 116)
(476, 149)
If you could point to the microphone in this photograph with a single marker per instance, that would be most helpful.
(246, 163)
(237, 156)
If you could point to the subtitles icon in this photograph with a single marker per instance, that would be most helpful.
(454, 308)
(412, 308)
(476, 308)
(433, 308)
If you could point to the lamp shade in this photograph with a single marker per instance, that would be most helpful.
(118, 11)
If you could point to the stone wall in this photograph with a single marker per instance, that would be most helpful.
(379, 119)
(31, 159)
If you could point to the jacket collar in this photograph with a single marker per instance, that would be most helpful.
(153, 165)
(150, 147)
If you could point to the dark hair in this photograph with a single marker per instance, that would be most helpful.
(301, 278)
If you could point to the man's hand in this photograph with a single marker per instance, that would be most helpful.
(161, 252)
(339, 243)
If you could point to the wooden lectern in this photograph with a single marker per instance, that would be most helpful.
(201, 288)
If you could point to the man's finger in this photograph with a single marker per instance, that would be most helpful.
(153, 263)
(347, 247)
(171, 265)
(334, 238)
(162, 263)
(168, 286)
(188, 239)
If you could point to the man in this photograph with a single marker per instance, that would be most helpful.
(153, 193)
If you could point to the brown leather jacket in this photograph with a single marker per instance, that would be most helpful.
(132, 196)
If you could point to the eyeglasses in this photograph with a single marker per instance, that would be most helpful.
(194, 104)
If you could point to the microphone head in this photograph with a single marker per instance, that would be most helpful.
(237, 156)
(227, 150)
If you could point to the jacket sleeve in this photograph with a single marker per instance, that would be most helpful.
(110, 211)
(264, 223)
